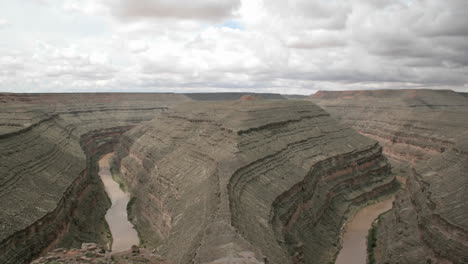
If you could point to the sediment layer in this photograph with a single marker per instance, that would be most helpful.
(49, 190)
(425, 132)
(247, 181)
(433, 210)
(411, 125)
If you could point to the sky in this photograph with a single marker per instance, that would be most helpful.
(279, 46)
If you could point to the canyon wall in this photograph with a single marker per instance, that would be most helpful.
(423, 133)
(411, 125)
(50, 143)
(429, 221)
(247, 181)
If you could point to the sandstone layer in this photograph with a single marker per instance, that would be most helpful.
(411, 125)
(49, 146)
(424, 133)
(429, 222)
(247, 181)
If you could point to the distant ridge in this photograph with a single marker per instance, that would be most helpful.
(229, 96)
(295, 96)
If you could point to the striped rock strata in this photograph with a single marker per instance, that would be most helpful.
(425, 133)
(247, 181)
(49, 190)
(429, 221)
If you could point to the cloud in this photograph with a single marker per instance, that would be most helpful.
(207, 10)
(295, 46)
(3, 23)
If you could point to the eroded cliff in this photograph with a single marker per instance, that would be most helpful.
(424, 133)
(49, 144)
(248, 181)
(429, 221)
(411, 125)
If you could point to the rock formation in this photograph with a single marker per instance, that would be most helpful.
(247, 181)
(411, 125)
(424, 133)
(49, 144)
(95, 254)
(230, 96)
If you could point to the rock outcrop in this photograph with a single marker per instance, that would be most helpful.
(247, 181)
(429, 222)
(411, 125)
(95, 254)
(424, 133)
(49, 144)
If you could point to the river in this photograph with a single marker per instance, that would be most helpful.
(123, 233)
(354, 250)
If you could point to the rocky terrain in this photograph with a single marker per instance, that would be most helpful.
(423, 133)
(230, 96)
(411, 125)
(49, 144)
(247, 181)
(95, 254)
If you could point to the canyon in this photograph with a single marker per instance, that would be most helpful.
(50, 144)
(248, 181)
(255, 178)
(423, 133)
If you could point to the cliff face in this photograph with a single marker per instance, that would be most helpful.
(411, 125)
(429, 221)
(424, 131)
(49, 190)
(247, 182)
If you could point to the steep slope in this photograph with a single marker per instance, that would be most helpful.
(49, 190)
(248, 181)
(423, 132)
(411, 125)
(438, 232)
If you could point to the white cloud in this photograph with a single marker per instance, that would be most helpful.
(3, 23)
(295, 46)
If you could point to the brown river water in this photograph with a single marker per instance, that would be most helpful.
(354, 249)
(123, 233)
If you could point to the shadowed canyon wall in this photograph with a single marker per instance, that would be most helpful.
(247, 181)
(49, 144)
(424, 133)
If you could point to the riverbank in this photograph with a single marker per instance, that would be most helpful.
(354, 245)
(123, 233)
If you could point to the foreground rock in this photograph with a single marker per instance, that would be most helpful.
(96, 254)
(424, 133)
(50, 194)
(248, 181)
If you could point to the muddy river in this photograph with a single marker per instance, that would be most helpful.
(123, 233)
(354, 249)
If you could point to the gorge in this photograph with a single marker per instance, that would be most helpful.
(251, 179)
(423, 133)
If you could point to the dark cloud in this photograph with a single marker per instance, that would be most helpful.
(209, 10)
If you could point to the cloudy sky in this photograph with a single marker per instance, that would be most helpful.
(296, 46)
